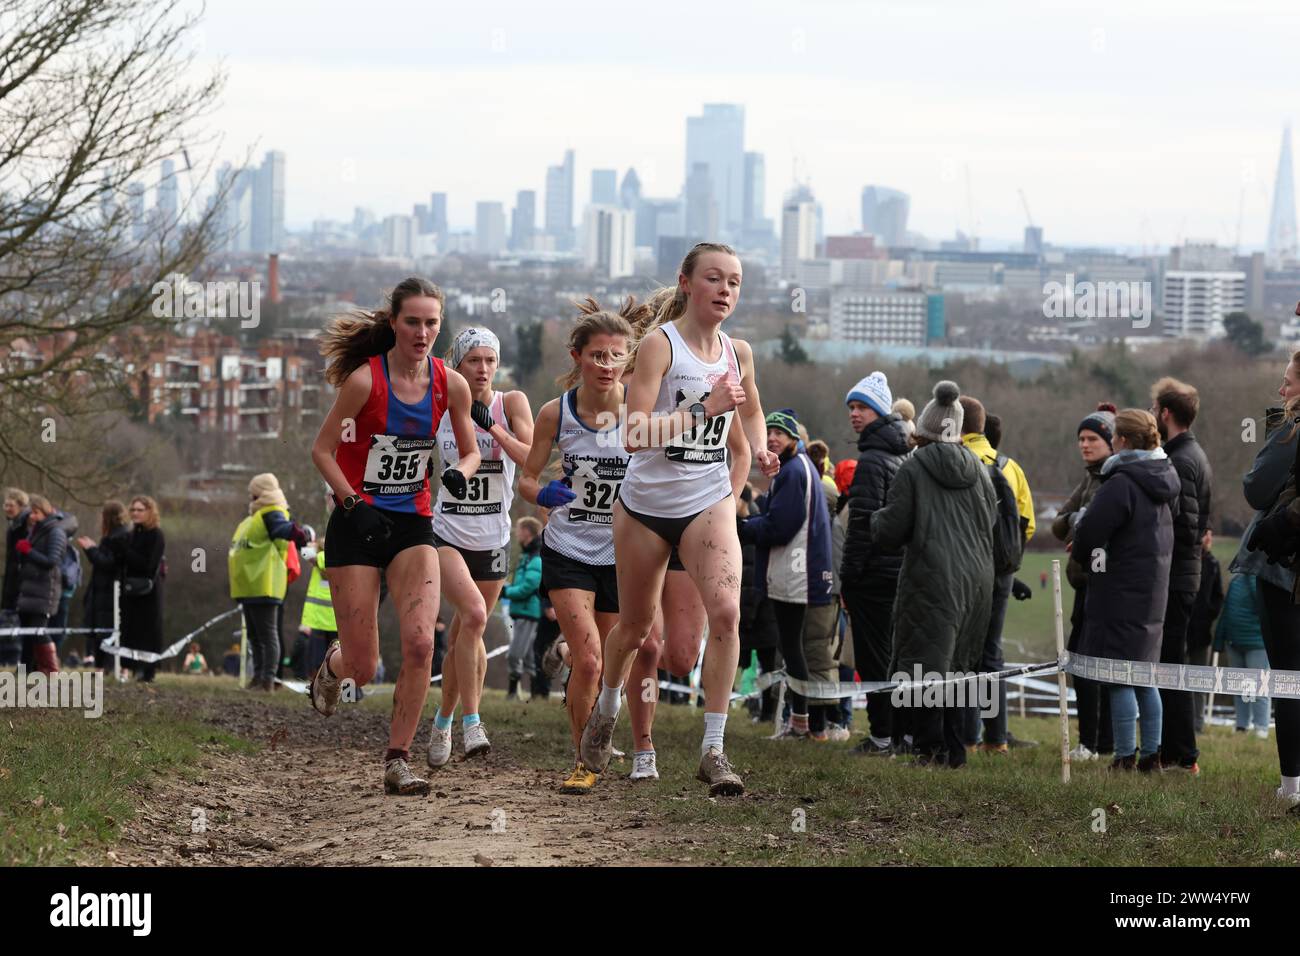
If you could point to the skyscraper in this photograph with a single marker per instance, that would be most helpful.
(702, 207)
(559, 202)
(608, 237)
(523, 220)
(1281, 223)
(629, 194)
(755, 183)
(884, 214)
(135, 209)
(716, 139)
(798, 231)
(168, 195)
(438, 218)
(268, 204)
(604, 187)
(399, 236)
(489, 228)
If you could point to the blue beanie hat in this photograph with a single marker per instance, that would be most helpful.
(873, 391)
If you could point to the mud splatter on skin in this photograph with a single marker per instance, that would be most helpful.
(414, 604)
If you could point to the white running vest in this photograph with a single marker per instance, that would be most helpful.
(690, 473)
(481, 520)
(595, 462)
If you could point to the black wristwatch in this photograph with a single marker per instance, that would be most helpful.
(350, 502)
(698, 413)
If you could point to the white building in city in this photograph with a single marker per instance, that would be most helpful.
(798, 235)
(609, 241)
(1196, 302)
(879, 316)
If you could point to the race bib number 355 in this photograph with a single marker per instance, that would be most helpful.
(396, 464)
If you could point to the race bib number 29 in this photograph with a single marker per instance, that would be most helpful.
(397, 465)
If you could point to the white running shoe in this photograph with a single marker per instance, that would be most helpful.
(1291, 799)
(616, 753)
(836, 732)
(1261, 733)
(476, 742)
(439, 747)
(1081, 753)
(643, 767)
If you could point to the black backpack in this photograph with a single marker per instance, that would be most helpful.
(1008, 536)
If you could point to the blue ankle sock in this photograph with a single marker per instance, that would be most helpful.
(441, 722)
(468, 721)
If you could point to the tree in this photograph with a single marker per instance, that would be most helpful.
(528, 351)
(94, 94)
(1246, 334)
(792, 353)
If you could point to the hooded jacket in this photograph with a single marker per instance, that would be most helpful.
(941, 511)
(793, 536)
(1129, 531)
(882, 446)
(1263, 485)
(15, 531)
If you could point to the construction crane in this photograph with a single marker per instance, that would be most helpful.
(1025, 202)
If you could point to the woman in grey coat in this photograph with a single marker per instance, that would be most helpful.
(940, 510)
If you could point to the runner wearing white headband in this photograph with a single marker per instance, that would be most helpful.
(472, 532)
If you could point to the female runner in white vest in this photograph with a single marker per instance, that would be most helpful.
(473, 536)
(578, 571)
(691, 380)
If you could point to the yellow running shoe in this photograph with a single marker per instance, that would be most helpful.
(580, 781)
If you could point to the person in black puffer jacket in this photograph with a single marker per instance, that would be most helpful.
(1174, 404)
(40, 581)
(1130, 526)
(869, 573)
(758, 631)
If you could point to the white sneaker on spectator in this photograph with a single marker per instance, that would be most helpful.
(1261, 733)
(1081, 753)
(836, 732)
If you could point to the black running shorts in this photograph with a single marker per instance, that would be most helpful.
(343, 546)
(491, 565)
(559, 573)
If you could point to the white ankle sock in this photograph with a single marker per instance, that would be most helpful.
(609, 700)
(715, 726)
(1290, 785)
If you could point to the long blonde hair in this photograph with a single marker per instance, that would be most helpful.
(668, 303)
(352, 338)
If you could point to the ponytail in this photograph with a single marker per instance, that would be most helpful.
(352, 338)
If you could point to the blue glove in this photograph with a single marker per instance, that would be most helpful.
(555, 494)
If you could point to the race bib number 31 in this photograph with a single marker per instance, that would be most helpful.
(397, 464)
(483, 492)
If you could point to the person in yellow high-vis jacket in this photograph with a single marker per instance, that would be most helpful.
(318, 612)
(258, 576)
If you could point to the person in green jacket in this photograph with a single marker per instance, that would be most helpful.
(1239, 633)
(258, 575)
(525, 604)
(940, 510)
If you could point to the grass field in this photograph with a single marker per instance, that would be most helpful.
(67, 784)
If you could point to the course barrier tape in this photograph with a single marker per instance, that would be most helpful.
(822, 690)
(110, 645)
(1201, 678)
(21, 631)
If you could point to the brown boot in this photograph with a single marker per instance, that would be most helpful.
(47, 658)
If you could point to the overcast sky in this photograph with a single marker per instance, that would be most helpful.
(1134, 123)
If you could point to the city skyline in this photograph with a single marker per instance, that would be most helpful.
(1162, 154)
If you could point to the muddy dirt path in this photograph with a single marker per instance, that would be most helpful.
(313, 796)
